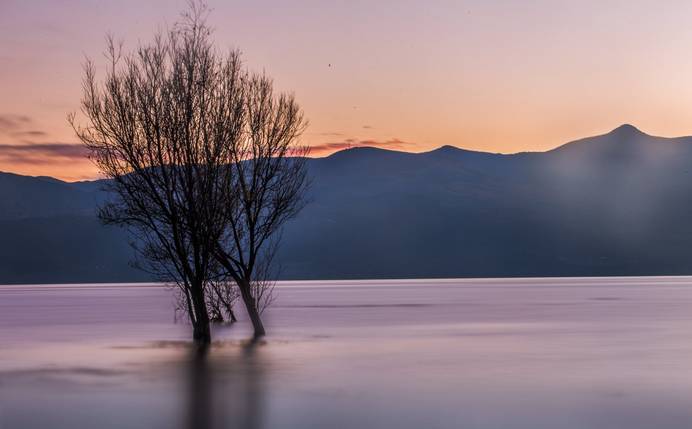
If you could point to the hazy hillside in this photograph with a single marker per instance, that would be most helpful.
(23, 197)
(617, 204)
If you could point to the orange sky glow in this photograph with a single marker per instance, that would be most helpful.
(497, 76)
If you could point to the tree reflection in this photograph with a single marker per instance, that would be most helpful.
(226, 386)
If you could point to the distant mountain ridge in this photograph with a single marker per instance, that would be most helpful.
(614, 204)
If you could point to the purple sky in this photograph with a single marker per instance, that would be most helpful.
(498, 76)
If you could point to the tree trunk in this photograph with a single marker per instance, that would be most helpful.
(200, 332)
(251, 307)
(200, 324)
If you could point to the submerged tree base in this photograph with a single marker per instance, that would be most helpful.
(201, 335)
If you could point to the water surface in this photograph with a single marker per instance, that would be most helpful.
(496, 353)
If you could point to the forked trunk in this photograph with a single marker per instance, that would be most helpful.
(251, 307)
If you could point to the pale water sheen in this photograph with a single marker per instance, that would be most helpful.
(498, 353)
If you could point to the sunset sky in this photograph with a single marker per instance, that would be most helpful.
(499, 76)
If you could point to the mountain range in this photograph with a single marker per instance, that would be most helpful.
(615, 204)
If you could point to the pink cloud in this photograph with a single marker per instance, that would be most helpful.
(327, 148)
(42, 153)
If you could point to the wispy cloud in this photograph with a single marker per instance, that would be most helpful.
(42, 153)
(10, 123)
(30, 133)
(20, 128)
(326, 148)
(27, 149)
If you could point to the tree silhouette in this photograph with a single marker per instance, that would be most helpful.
(203, 164)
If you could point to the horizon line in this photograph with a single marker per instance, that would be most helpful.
(625, 127)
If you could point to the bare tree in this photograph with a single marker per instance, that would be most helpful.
(268, 176)
(204, 163)
(162, 126)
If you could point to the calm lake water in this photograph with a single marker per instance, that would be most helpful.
(501, 353)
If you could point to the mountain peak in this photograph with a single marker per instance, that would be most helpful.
(627, 129)
(447, 148)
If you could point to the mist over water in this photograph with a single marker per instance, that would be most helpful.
(495, 353)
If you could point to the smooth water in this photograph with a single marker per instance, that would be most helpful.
(498, 353)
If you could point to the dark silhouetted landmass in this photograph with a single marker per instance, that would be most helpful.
(616, 204)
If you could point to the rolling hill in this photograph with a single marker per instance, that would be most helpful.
(615, 204)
